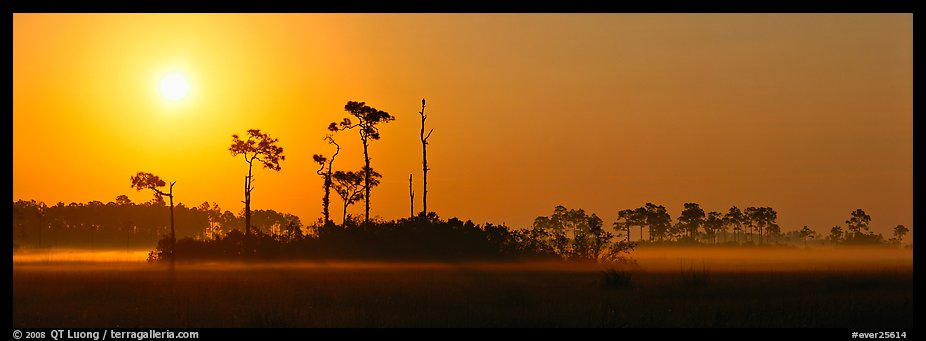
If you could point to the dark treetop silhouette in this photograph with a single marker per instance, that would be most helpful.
(691, 219)
(144, 180)
(899, 232)
(257, 147)
(367, 120)
(734, 218)
(349, 186)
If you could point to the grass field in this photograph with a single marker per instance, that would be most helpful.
(665, 290)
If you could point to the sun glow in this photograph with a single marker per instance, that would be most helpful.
(174, 87)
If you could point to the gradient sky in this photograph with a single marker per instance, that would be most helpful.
(808, 113)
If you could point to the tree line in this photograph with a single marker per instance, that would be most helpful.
(415, 238)
(121, 223)
(749, 226)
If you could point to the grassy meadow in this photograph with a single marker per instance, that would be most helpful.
(665, 289)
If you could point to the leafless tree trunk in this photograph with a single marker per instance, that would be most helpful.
(173, 237)
(411, 195)
(366, 181)
(424, 159)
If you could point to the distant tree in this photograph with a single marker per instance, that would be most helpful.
(639, 218)
(774, 230)
(807, 232)
(631, 217)
(257, 147)
(899, 232)
(658, 220)
(367, 120)
(30, 215)
(857, 223)
(157, 201)
(836, 234)
(324, 171)
(229, 221)
(578, 223)
(424, 158)
(588, 237)
(214, 216)
(764, 220)
(144, 180)
(294, 230)
(734, 218)
(123, 200)
(350, 187)
(600, 238)
(713, 224)
(750, 222)
(691, 219)
(538, 237)
(623, 222)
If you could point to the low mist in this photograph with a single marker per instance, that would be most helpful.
(647, 259)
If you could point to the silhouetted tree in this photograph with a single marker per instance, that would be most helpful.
(156, 202)
(541, 236)
(324, 171)
(257, 147)
(858, 222)
(836, 234)
(691, 219)
(600, 238)
(123, 199)
(807, 232)
(411, 198)
(582, 241)
(214, 217)
(30, 215)
(588, 237)
(899, 232)
(144, 180)
(537, 238)
(424, 159)
(368, 118)
(734, 218)
(294, 230)
(750, 221)
(774, 230)
(623, 222)
(350, 187)
(631, 217)
(713, 224)
(639, 219)
(658, 220)
(763, 219)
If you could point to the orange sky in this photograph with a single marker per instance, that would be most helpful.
(810, 114)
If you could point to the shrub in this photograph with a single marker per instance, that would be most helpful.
(616, 279)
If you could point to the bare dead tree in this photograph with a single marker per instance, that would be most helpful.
(411, 195)
(424, 159)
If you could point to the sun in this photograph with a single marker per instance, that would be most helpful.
(174, 87)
